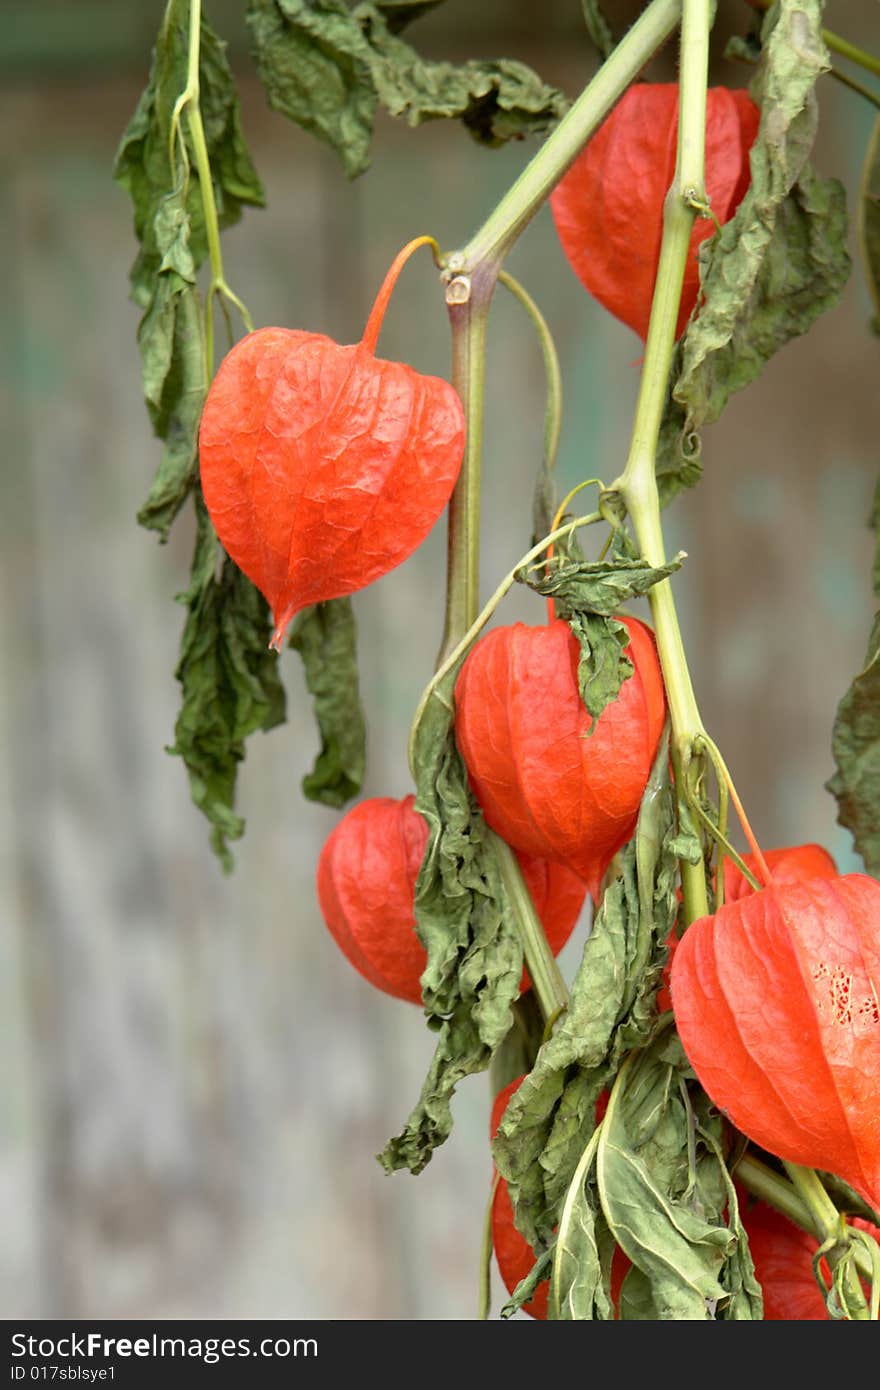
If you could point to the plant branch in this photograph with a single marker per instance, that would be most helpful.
(638, 483)
(547, 982)
(829, 1226)
(484, 1302)
(189, 101)
(575, 1187)
(494, 239)
(771, 1187)
(855, 86)
(468, 298)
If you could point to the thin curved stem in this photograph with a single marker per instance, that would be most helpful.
(563, 506)
(721, 839)
(189, 101)
(461, 648)
(546, 977)
(485, 1298)
(553, 408)
(498, 233)
(828, 1224)
(373, 325)
(854, 85)
(721, 769)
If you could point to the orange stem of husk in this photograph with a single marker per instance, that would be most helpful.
(377, 313)
(760, 862)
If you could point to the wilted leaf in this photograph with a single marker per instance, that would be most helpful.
(856, 748)
(595, 586)
(526, 1288)
(584, 1250)
(869, 219)
(326, 638)
(643, 1171)
(776, 265)
(399, 13)
(229, 679)
(464, 920)
(665, 1193)
(586, 594)
(612, 1009)
(329, 67)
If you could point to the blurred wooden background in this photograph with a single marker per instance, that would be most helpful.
(194, 1081)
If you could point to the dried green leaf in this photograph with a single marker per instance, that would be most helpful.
(602, 665)
(326, 638)
(312, 60)
(495, 100)
(586, 594)
(328, 68)
(869, 219)
(174, 375)
(229, 678)
(527, 1287)
(170, 226)
(777, 265)
(464, 920)
(595, 586)
(856, 748)
(667, 1196)
(612, 1009)
(584, 1249)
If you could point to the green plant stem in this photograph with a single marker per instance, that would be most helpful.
(552, 372)
(189, 99)
(866, 195)
(638, 483)
(470, 280)
(855, 86)
(779, 1193)
(468, 298)
(547, 982)
(852, 52)
(484, 1303)
(775, 1190)
(501, 229)
(585, 1163)
(828, 1224)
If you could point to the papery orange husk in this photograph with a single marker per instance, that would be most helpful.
(366, 879)
(323, 466)
(546, 784)
(776, 1003)
(608, 208)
